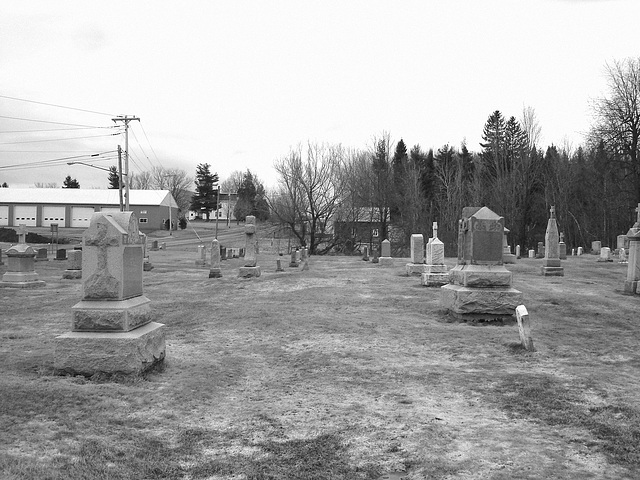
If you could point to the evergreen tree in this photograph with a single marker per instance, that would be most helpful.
(493, 135)
(5, 185)
(251, 198)
(70, 182)
(114, 178)
(205, 198)
(399, 164)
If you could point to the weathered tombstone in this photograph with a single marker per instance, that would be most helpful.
(294, 259)
(41, 255)
(201, 261)
(622, 256)
(163, 246)
(631, 285)
(154, 245)
(417, 265)
(622, 241)
(541, 252)
(74, 265)
(605, 255)
(147, 266)
(21, 271)
(385, 253)
(562, 248)
(596, 245)
(223, 253)
(61, 254)
(532, 253)
(517, 251)
(507, 256)
(480, 286)
(580, 251)
(215, 271)
(573, 252)
(305, 258)
(250, 268)
(365, 253)
(1, 261)
(279, 266)
(375, 257)
(551, 263)
(112, 326)
(436, 272)
(524, 327)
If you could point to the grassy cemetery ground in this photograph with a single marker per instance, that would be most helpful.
(346, 371)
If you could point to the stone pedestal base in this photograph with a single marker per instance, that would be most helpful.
(21, 280)
(480, 276)
(508, 258)
(147, 266)
(88, 353)
(72, 274)
(552, 271)
(386, 261)
(632, 287)
(215, 273)
(435, 276)
(480, 304)
(111, 316)
(415, 268)
(248, 272)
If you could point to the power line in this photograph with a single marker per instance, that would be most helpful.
(142, 149)
(45, 163)
(150, 146)
(53, 129)
(59, 106)
(57, 139)
(53, 123)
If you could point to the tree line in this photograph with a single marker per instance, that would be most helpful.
(594, 187)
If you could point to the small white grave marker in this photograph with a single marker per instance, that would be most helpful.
(524, 327)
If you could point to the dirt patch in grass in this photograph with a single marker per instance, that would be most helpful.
(346, 371)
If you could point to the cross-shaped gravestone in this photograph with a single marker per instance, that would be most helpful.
(22, 233)
(101, 284)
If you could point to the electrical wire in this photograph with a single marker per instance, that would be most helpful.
(58, 106)
(52, 130)
(54, 123)
(108, 155)
(150, 146)
(58, 139)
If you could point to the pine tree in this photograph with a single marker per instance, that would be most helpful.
(70, 182)
(205, 198)
(493, 135)
(114, 178)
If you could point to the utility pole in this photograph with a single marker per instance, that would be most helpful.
(120, 177)
(126, 119)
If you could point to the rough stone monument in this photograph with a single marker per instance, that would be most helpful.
(21, 271)
(112, 327)
(507, 256)
(74, 265)
(417, 265)
(215, 271)
(633, 268)
(250, 268)
(551, 263)
(436, 272)
(385, 254)
(480, 286)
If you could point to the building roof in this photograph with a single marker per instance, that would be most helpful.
(79, 196)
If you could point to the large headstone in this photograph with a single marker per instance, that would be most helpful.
(436, 272)
(215, 271)
(385, 254)
(631, 285)
(480, 288)
(21, 271)
(605, 255)
(42, 255)
(596, 245)
(112, 326)
(417, 265)
(551, 263)
(74, 265)
(250, 268)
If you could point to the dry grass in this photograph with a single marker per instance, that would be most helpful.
(348, 370)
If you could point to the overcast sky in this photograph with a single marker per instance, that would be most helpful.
(236, 84)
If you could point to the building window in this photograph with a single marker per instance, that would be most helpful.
(143, 212)
(143, 220)
(374, 232)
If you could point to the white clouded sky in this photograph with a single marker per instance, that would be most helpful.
(238, 83)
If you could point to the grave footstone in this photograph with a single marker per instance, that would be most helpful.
(631, 284)
(74, 265)
(215, 271)
(250, 268)
(385, 259)
(595, 247)
(524, 327)
(551, 264)
(480, 286)
(21, 271)
(112, 327)
(417, 264)
(507, 256)
(61, 254)
(436, 272)
(42, 255)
